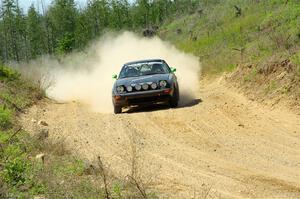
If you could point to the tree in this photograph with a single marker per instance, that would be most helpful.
(62, 27)
(62, 15)
(142, 13)
(119, 14)
(21, 35)
(98, 13)
(36, 33)
(9, 30)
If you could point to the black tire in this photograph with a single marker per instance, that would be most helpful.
(117, 109)
(173, 102)
(174, 99)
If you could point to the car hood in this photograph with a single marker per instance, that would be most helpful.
(142, 79)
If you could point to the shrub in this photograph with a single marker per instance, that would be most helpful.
(14, 172)
(5, 117)
(8, 74)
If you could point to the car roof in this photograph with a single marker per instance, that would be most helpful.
(144, 61)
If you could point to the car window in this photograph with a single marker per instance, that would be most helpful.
(145, 68)
(141, 69)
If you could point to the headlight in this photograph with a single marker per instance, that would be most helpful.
(163, 84)
(120, 89)
(129, 88)
(145, 86)
(138, 87)
(154, 86)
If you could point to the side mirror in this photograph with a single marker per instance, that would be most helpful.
(115, 76)
(173, 70)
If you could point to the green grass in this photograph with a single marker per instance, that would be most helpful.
(5, 117)
(251, 75)
(18, 171)
(265, 28)
(7, 74)
(16, 168)
(272, 87)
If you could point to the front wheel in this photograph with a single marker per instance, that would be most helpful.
(173, 102)
(174, 99)
(117, 109)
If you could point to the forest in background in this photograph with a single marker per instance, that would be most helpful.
(63, 26)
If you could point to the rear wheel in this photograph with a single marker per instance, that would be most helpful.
(117, 109)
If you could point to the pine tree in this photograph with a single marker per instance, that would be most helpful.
(62, 15)
(142, 13)
(11, 51)
(36, 33)
(62, 27)
(98, 13)
(21, 36)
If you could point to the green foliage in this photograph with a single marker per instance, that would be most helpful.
(69, 167)
(231, 67)
(221, 39)
(5, 117)
(117, 190)
(63, 27)
(65, 44)
(35, 33)
(18, 101)
(17, 93)
(18, 171)
(15, 171)
(8, 74)
(251, 75)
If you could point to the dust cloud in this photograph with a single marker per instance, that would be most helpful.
(87, 76)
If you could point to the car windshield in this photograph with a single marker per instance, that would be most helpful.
(142, 69)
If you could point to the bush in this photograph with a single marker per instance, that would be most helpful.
(5, 117)
(17, 101)
(8, 74)
(14, 171)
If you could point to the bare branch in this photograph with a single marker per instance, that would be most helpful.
(14, 134)
(104, 177)
(138, 186)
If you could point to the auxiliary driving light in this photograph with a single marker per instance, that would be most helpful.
(138, 87)
(154, 86)
(129, 88)
(120, 89)
(145, 86)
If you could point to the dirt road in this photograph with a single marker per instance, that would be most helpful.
(224, 145)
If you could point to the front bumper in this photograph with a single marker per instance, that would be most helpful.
(143, 97)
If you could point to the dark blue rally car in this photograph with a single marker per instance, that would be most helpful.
(145, 82)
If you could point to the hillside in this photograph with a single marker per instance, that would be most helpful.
(256, 40)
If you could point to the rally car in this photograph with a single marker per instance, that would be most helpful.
(145, 82)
